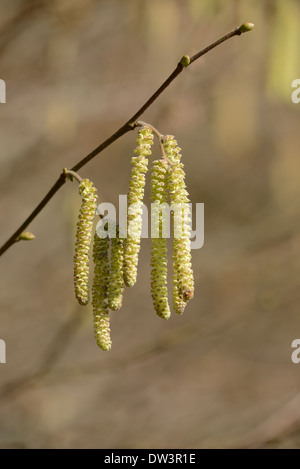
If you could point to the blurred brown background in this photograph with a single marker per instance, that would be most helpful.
(221, 375)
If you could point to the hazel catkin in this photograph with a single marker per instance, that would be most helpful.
(183, 279)
(83, 240)
(116, 281)
(100, 292)
(159, 288)
(135, 204)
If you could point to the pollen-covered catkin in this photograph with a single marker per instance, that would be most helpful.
(135, 204)
(159, 288)
(183, 279)
(100, 294)
(83, 240)
(116, 281)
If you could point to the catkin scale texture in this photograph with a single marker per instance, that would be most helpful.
(100, 292)
(159, 288)
(83, 240)
(183, 279)
(135, 204)
(116, 281)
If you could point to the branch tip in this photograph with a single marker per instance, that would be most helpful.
(245, 27)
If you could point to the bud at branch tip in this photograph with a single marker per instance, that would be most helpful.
(245, 27)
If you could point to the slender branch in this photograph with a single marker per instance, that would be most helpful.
(129, 125)
(14, 238)
(234, 32)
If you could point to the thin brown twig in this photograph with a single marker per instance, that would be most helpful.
(159, 136)
(129, 125)
(72, 175)
(154, 130)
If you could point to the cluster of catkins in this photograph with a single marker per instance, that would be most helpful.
(116, 258)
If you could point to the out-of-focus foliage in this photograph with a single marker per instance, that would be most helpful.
(285, 45)
(221, 375)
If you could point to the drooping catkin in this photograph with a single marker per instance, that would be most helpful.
(135, 204)
(183, 279)
(159, 288)
(100, 292)
(83, 240)
(116, 281)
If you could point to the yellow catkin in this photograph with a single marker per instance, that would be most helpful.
(83, 240)
(116, 281)
(100, 292)
(183, 279)
(159, 288)
(135, 204)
